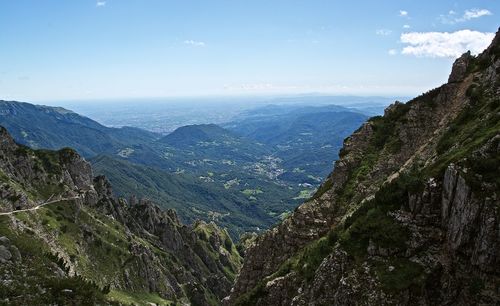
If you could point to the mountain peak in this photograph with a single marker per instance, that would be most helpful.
(193, 134)
(467, 63)
(460, 68)
(496, 40)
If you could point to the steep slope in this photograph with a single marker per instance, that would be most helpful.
(191, 197)
(410, 214)
(64, 238)
(55, 127)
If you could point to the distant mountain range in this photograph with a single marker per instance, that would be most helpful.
(55, 127)
(245, 175)
(306, 139)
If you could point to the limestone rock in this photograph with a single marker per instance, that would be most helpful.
(459, 69)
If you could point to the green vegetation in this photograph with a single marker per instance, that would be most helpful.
(251, 297)
(305, 194)
(327, 185)
(305, 263)
(370, 222)
(398, 274)
(471, 129)
(480, 63)
(99, 248)
(488, 168)
(104, 240)
(194, 199)
(137, 298)
(250, 192)
(306, 139)
(205, 231)
(314, 254)
(35, 275)
(358, 174)
(56, 128)
(377, 227)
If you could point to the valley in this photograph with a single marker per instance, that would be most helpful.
(249, 153)
(237, 175)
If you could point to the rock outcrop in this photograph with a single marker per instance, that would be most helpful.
(29, 178)
(459, 70)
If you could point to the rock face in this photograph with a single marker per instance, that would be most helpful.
(459, 70)
(410, 214)
(28, 177)
(88, 234)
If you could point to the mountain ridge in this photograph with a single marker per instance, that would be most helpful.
(409, 185)
(86, 246)
(46, 127)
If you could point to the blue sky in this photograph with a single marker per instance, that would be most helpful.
(87, 49)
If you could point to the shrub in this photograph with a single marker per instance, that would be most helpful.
(476, 286)
(404, 274)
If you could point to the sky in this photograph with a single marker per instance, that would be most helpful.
(54, 50)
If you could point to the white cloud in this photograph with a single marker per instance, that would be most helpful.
(403, 13)
(451, 17)
(194, 43)
(100, 3)
(475, 13)
(383, 32)
(444, 44)
(392, 52)
(406, 26)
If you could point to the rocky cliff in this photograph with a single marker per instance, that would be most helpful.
(30, 177)
(410, 214)
(64, 239)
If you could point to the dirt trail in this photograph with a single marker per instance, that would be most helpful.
(38, 206)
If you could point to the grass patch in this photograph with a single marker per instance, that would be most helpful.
(327, 185)
(137, 298)
(472, 128)
(304, 194)
(250, 192)
(34, 275)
